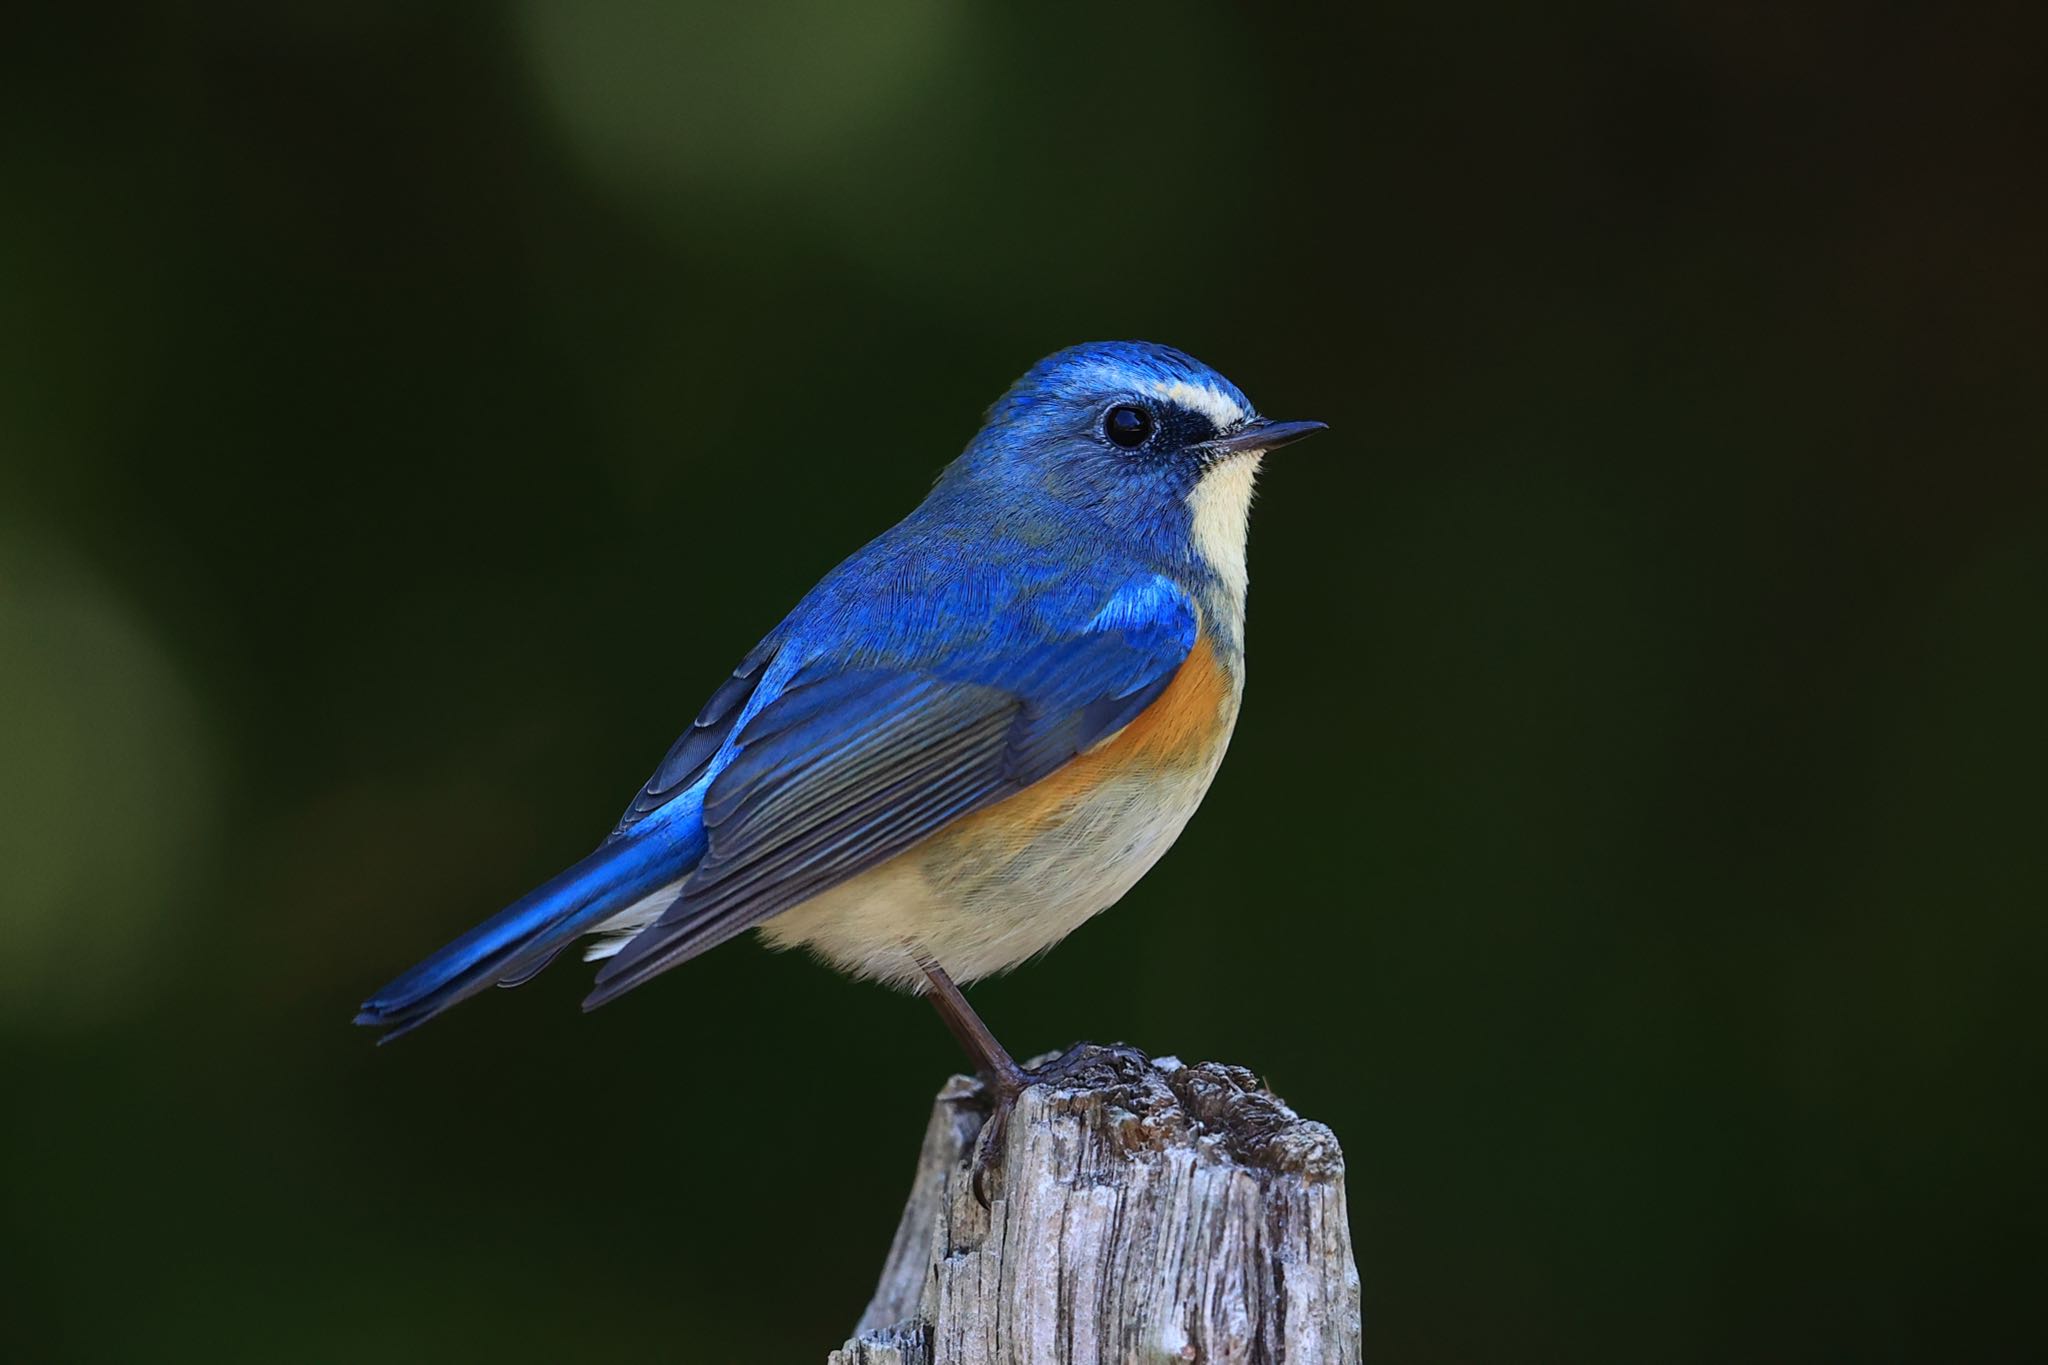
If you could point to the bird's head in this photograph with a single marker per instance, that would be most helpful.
(1144, 441)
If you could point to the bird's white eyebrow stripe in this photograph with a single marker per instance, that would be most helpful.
(1213, 404)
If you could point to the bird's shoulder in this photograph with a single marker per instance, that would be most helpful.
(937, 587)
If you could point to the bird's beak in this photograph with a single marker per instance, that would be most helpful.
(1260, 435)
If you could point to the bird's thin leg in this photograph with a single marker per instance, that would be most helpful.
(996, 1065)
(999, 1071)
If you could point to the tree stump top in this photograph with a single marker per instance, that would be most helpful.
(1139, 1211)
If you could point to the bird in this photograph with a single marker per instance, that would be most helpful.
(977, 732)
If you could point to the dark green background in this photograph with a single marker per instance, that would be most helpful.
(1632, 845)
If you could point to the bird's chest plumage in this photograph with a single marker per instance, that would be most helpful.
(999, 886)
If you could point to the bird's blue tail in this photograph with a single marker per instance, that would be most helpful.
(520, 939)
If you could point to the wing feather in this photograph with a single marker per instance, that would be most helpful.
(846, 768)
(689, 758)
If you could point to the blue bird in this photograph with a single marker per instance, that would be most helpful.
(978, 731)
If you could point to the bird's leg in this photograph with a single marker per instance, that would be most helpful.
(997, 1067)
(1084, 1063)
(999, 1071)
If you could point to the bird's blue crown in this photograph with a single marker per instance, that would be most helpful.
(1097, 370)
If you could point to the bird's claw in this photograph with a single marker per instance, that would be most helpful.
(988, 1150)
(1082, 1066)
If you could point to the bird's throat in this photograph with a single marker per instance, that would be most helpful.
(1219, 509)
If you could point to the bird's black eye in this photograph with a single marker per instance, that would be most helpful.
(1128, 425)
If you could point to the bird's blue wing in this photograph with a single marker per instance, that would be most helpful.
(851, 764)
(691, 756)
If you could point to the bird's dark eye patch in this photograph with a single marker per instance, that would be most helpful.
(1127, 425)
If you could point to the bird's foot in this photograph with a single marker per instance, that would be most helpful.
(1084, 1066)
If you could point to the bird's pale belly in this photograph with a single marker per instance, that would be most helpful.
(995, 888)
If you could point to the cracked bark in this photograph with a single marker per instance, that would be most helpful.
(1138, 1212)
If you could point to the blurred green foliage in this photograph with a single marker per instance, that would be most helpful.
(1633, 842)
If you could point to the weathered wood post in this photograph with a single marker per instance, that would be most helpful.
(1138, 1212)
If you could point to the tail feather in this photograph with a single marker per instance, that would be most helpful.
(516, 943)
(528, 973)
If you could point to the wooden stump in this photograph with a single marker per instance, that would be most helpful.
(1139, 1211)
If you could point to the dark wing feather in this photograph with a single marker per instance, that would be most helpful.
(690, 756)
(844, 771)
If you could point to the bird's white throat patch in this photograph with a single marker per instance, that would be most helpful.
(1220, 507)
